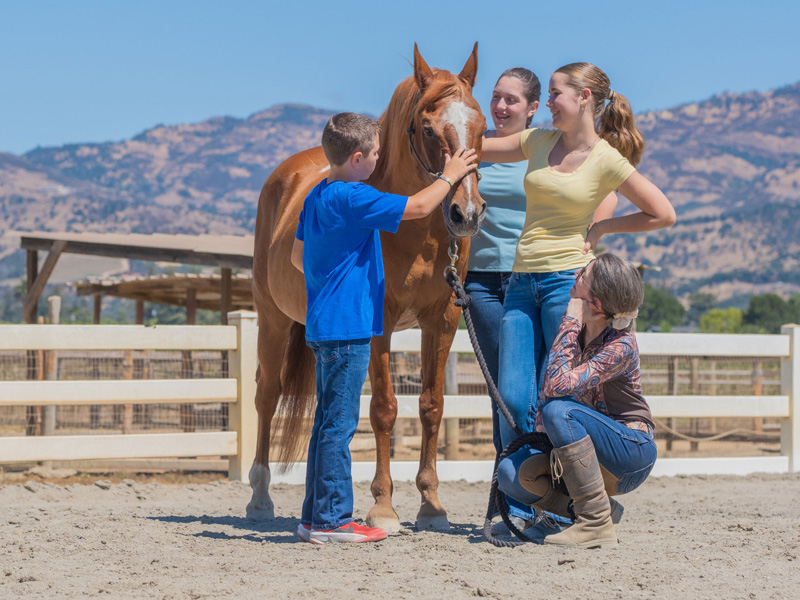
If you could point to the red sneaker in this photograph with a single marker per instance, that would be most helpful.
(303, 531)
(350, 532)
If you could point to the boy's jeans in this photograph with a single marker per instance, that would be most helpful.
(341, 368)
(628, 454)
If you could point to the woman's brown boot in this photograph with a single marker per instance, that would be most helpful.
(577, 464)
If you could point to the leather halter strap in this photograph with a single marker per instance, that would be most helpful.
(411, 131)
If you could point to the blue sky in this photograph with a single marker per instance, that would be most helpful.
(93, 71)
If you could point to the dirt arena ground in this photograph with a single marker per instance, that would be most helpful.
(684, 537)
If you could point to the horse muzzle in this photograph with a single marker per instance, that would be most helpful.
(464, 219)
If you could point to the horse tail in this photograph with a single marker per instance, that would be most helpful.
(296, 409)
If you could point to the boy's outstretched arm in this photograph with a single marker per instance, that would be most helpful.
(297, 255)
(422, 203)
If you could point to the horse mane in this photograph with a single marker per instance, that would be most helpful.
(394, 139)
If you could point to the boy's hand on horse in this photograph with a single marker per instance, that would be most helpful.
(462, 162)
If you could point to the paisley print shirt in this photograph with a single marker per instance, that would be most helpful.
(604, 375)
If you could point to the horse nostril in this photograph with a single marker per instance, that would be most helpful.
(483, 210)
(456, 215)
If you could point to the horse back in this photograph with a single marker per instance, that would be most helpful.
(275, 280)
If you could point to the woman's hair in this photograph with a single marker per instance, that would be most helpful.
(531, 87)
(614, 121)
(617, 284)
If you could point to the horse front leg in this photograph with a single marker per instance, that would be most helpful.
(382, 416)
(437, 338)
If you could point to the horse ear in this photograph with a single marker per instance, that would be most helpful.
(470, 69)
(422, 72)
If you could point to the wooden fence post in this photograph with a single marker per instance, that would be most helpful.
(790, 386)
(243, 417)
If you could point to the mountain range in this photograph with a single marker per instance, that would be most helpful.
(729, 164)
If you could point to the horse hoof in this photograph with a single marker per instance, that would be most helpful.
(436, 523)
(388, 524)
(260, 511)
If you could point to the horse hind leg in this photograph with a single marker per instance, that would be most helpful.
(272, 342)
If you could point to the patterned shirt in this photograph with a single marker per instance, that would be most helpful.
(604, 375)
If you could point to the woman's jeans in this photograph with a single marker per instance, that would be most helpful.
(341, 369)
(534, 305)
(628, 454)
(488, 291)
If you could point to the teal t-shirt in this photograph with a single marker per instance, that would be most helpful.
(494, 247)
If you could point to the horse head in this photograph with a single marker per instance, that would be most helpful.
(444, 118)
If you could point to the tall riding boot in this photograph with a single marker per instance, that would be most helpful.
(534, 476)
(577, 464)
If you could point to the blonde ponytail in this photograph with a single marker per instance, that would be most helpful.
(617, 126)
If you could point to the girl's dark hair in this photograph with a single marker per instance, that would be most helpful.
(614, 121)
(531, 86)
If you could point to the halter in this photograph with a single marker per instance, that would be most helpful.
(411, 131)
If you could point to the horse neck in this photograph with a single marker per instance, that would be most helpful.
(397, 171)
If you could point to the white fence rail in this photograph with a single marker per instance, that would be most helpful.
(238, 444)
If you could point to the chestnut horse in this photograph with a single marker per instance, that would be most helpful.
(430, 114)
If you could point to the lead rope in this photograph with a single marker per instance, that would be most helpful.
(538, 441)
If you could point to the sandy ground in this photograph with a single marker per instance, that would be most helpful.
(685, 537)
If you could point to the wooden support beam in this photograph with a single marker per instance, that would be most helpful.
(225, 297)
(98, 307)
(37, 281)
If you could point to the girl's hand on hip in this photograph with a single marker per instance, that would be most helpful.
(593, 235)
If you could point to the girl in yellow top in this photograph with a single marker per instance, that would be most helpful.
(592, 152)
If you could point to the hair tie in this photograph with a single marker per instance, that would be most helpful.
(610, 95)
(623, 320)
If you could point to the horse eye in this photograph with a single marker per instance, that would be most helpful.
(428, 131)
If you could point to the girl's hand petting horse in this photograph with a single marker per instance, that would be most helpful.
(462, 162)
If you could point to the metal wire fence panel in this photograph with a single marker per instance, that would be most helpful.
(115, 365)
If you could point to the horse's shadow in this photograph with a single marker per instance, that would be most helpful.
(281, 530)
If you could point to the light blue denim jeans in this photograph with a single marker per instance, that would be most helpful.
(533, 307)
(628, 454)
(341, 368)
(488, 291)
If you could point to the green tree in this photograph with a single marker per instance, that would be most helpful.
(659, 309)
(722, 320)
(768, 312)
(699, 304)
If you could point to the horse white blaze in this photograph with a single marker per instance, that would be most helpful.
(458, 114)
(325, 168)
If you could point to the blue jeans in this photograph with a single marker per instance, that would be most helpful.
(488, 291)
(628, 454)
(534, 306)
(341, 369)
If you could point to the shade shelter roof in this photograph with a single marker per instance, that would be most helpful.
(174, 289)
(225, 251)
(232, 251)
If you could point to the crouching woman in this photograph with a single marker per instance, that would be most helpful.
(593, 411)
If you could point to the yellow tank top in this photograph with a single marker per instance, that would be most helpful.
(560, 205)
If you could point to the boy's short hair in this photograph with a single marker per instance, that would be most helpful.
(348, 133)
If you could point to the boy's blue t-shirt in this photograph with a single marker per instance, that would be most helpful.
(342, 259)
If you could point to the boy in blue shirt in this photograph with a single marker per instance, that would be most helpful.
(338, 248)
